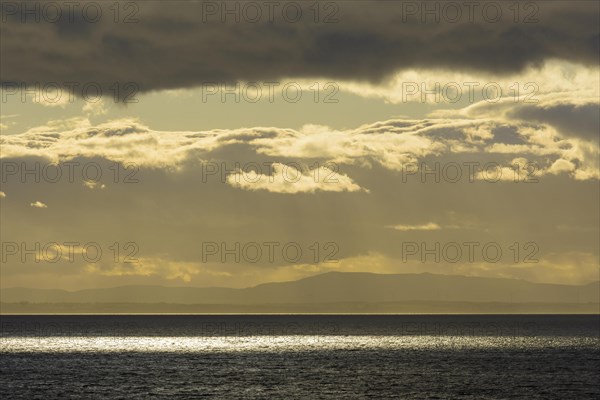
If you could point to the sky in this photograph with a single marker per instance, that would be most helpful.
(236, 143)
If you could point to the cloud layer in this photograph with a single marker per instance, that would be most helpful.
(506, 133)
(183, 44)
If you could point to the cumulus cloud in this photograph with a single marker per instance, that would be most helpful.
(288, 179)
(560, 166)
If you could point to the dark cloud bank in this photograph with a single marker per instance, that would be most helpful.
(183, 44)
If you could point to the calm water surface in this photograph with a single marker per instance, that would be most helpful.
(300, 356)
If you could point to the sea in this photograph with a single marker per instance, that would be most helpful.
(300, 357)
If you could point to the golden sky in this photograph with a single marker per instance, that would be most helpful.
(243, 152)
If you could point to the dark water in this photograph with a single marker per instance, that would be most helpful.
(303, 357)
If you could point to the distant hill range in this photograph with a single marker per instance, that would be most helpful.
(329, 292)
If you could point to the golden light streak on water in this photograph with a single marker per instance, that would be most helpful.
(279, 343)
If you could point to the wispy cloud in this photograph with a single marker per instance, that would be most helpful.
(431, 226)
(38, 204)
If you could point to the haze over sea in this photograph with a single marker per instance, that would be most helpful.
(300, 356)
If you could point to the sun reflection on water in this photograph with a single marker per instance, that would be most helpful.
(279, 343)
